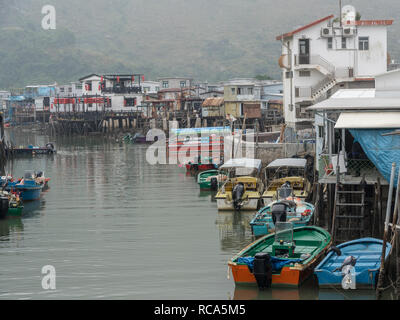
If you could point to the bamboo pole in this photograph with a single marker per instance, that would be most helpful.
(385, 234)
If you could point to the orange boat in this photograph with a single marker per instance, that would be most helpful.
(286, 258)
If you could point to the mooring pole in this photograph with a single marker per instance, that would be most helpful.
(385, 234)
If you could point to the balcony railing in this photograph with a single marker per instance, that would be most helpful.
(317, 60)
(122, 90)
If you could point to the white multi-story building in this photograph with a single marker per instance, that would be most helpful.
(327, 55)
(91, 85)
(74, 89)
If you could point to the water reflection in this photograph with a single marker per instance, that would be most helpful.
(307, 291)
(34, 208)
(11, 228)
(234, 229)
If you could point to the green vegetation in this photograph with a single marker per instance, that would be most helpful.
(207, 40)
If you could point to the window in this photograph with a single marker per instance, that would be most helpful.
(239, 90)
(289, 74)
(330, 43)
(304, 73)
(249, 90)
(62, 90)
(165, 84)
(363, 43)
(79, 87)
(69, 89)
(344, 43)
(130, 102)
(233, 90)
(157, 89)
(183, 84)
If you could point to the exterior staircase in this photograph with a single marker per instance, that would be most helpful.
(322, 87)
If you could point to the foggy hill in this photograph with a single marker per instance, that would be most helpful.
(206, 39)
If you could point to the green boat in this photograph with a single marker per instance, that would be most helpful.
(210, 179)
(15, 211)
(285, 258)
(14, 204)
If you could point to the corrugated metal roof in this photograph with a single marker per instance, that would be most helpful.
(213, 102)
(339, 104)
(368, 120)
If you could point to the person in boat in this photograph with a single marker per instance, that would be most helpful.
(286, 190)
(39, 178)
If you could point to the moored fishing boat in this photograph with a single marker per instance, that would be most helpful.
(15, 206)
(289, 172)
(364, 255)
(243, 188)
(293, 210)
(33, 150)
(210, 179)
(28, 188)
(202, 164)
(285, 258)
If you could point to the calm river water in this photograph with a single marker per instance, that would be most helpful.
(115, 227)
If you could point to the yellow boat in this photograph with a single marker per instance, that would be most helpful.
(286, 178)
(243, 188)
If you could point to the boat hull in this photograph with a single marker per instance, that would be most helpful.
(15, 212)
(199, 167)
(367, 251)
(262, 224)
(308, 239)
(250, 204)
(28, 194)
(287, 278)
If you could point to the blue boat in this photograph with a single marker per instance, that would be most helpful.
(366, 256)
(28, 188)
(290, 210)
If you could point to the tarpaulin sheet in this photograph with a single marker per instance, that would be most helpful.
(277, 263)
(381, 150)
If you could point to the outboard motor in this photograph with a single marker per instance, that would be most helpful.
(349, 261)
(285, 191)
(214, 184)
(262, 270)
(237, 194)
(279, 213)
(3, 207)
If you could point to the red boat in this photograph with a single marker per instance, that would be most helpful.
(199, 167)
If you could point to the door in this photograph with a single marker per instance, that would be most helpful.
(304, 51)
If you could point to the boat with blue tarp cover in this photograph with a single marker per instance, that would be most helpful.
(362, 254)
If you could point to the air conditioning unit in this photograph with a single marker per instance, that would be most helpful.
(349, 32)
(327, 32)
